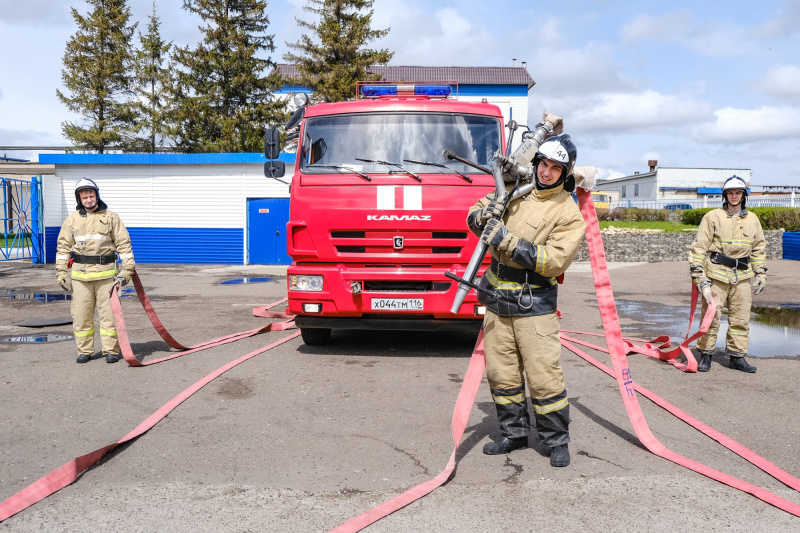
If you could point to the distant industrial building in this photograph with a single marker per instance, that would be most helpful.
(684, 188)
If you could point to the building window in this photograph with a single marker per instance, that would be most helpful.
(636, 190)
(624, 191)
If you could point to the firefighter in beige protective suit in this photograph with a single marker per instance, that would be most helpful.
(93, 235)
(532, 244)
(729, 250)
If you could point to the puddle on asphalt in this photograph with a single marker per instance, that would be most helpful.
(46, 297)
(240, 281)
(33, 339)
(774, 331)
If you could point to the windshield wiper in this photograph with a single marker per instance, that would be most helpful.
(341, 169)
(389, 164)
(438, 166)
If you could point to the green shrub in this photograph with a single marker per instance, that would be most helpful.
(787, 218)
(771, 218)
(692, 217)
(633, 214)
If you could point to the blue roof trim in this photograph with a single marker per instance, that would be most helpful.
(286, 89)
(463, 90)
(156, 159)
(491, 90)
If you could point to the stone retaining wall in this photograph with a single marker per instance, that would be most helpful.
(656, 247)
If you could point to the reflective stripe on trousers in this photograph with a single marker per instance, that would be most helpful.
(738, 299)
(86, 295)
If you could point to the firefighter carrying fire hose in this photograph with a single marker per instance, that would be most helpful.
(531, 242)
(93, 235)
(729, 249)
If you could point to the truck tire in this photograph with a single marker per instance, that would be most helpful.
(315, 336)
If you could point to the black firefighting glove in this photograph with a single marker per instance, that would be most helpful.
(496, 234)
(491, 210)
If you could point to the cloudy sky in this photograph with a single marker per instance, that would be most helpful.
(711, 84)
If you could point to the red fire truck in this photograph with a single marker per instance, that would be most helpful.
(378, 213)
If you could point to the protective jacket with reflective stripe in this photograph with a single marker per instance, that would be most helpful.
(737, 236)
(100, 232)
(550, 227)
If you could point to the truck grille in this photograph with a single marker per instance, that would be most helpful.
(406, 286)
(381, 242)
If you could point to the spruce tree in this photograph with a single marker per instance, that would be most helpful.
(334, 57)
(96, 74)
(151, 80)
(221, 96)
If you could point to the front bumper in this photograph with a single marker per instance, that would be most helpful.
(339, 301)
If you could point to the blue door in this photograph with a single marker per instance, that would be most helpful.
(266, 231)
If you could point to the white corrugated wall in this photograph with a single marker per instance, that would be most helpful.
(166, 196)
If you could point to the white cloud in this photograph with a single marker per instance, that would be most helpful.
(663, 28)
(786, 23)
(12, 137)
(709, 38)
(36, 13)
(563, 71)
(443, 38)
(733, 125)
(604, 173)
(783, 82)
(636, 111)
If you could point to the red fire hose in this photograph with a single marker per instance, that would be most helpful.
(69, 472)
(618, 349)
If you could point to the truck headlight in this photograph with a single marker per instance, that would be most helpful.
(305, 283)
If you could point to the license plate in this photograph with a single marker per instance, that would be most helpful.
(397, 304)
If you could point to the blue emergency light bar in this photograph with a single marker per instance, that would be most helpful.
(376, 91)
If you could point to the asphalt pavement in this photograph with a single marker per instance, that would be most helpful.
(301, 439)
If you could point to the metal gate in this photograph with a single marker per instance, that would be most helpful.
(22, 223)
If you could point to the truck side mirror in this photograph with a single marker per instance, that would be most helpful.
(272, 143)
(274, 168)
(296, 117)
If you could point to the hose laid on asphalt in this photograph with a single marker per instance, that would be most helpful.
(619, 348)
(659, 347)
(69, 472)
(122, 331)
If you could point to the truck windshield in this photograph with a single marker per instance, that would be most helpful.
(344, 139)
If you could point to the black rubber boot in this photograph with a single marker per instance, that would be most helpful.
(505, 446)
(739, 363)
(705, 360)
(552, 420)
(83, 358)
(112, 358)
(512, 413)
(559, 456)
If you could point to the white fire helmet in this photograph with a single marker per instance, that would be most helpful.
(559, 149)
(734, 183)
(84, 184)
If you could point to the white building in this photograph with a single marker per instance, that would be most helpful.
(178, 208)
(671, 186)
